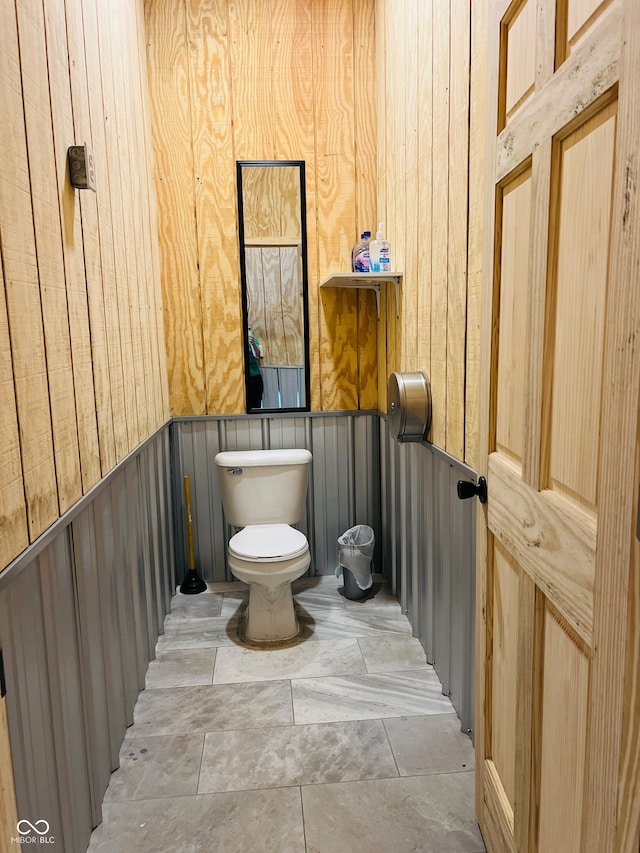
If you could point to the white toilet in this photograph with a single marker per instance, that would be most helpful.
(264, 492)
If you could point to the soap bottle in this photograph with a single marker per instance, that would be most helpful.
(360, 254)
(380, 252)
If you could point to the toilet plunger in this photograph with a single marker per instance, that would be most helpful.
(193, 582)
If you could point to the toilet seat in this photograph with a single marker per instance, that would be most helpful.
(268, 543)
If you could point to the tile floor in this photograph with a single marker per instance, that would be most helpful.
(342, 742)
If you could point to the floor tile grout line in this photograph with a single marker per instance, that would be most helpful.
(393, 753)
(304, 827)
(278, 787)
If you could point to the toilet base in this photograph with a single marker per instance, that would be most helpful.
(270, 616)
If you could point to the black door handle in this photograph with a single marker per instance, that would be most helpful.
(470, 490)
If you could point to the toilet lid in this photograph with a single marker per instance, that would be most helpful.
(268, 542)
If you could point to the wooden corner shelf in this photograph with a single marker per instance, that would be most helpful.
(366, 281)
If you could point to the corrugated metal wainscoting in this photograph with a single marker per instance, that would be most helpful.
(80, 613)
(344, 485)
(428, 538)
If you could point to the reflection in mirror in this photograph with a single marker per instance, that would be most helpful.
(273, 264)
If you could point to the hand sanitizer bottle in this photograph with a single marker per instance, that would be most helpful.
(380, 252)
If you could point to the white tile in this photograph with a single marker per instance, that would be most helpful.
(235, 664)
(242, 822)
(205, 633)
(324, 624)
(180, 710)
(433, 744)
(295, 755)
(392, 652)
(368, 697)
(181, 668)
(193, 607)
(165, 766)
(430, 813)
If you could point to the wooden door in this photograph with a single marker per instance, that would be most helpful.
(8, 812)
(557, 751)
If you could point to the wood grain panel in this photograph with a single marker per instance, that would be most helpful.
(571, 542)
(57, 51)
(394, 141)
(291, 305)
(440, 233)
(425, 183)
(366, 172)
(274, 305)
(292, 85)
(109, 66)
(335, 183)
(521, 58)
(500, 807)
(215, 201)
(22, 291)
(90, 239)
(154, 291)
(8, 810)
(13, 517)
(477, 119)
(133, 159)
(580, 16)
(108, 294)
(618, 484)
(411, 227)
(381, 181)
(629, 770)
(131, 237)
(272, 289)
(458, 220)
(516, 215)
(504, 670)
(582, 251)
(255, 295)
(562, 744)
(168, 58)
(271, 203)
(250, 44)
(46, 221)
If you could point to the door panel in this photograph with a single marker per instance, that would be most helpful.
(559, 367)
(516, 209)
(564, 687)
(506, 589)
(581, 16)
(519, 56)
(576, 318)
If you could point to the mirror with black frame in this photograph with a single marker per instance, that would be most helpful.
(273, 267)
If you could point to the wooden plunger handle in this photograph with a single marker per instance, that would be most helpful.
(187, 496)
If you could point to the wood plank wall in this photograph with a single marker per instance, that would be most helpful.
(431, 80)
(82, 363)
(261, 80)
(384, 100)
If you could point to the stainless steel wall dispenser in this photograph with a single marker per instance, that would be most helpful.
(408, 406)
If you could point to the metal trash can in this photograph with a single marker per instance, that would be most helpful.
(356, 546)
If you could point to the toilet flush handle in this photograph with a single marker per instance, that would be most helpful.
(235, 471)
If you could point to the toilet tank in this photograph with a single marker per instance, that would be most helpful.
(263, 486)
